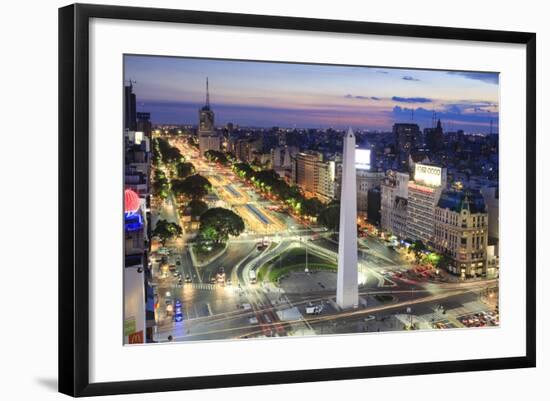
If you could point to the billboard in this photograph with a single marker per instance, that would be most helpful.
(426, 174)
(362, 159)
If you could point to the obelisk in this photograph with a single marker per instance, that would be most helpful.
(347, 293)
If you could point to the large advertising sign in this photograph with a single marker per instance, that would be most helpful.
(429, 175)
(362, 159)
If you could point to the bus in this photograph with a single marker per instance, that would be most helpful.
(252, 276)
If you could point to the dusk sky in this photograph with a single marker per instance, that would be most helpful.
(312, 96)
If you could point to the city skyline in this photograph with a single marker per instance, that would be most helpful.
(265, 94)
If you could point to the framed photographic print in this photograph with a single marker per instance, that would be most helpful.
(249, 199)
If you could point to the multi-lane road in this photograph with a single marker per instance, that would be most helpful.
(242, 309)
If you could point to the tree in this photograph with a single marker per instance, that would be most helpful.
(444, 262)
(167, 230)
(185, 169)
(173, 155)
(418, 248)
(194, 186)
(216, 156)
(330, 216)
(218, 224)
(243, 170)
(160, 185)
(311, 207)
(197, 207)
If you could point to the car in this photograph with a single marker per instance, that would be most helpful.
(228, 282)
(187, 278)
(370, 318)
(213, 280)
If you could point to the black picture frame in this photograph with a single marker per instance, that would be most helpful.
(74, 201)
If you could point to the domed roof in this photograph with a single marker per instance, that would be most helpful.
(131, 201)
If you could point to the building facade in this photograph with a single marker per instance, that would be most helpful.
(423, 195)
(366, 181)
(394, 190)
(405, 141)
(139, 318)
(461, 231)
(316, 176)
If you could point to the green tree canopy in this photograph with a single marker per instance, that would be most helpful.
(197, 207)
(311, 207)
(216, 156)
(194, 187)
(418, 248)
(330, 216)
(218, 224)
(185, 169)
(166, 230)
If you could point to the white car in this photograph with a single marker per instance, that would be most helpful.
(369, 318)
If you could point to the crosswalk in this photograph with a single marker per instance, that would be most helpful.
(205, 286)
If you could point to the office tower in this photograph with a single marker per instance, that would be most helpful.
(393, 203)
(144, 123)
(434, 137)
(423, 194)
(405, 141)
(129, 107)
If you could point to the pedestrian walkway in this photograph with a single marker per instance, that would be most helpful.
(208, 286)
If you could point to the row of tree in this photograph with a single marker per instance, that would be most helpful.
(193, 187)
(167, 153)
(270, 182)
(216, 156)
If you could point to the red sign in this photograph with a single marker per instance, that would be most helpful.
(136, 338)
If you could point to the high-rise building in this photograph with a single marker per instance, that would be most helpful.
(129, 107)
(144, 123)
(366, 181)
(393, 203)
(209, 139)
(423, 194)
(461, 231)
(373, 204)
(139, 319)
(490, 195)
(306, 172)
(316, 176)
(434, 137)
(405, 141)
(327, 180)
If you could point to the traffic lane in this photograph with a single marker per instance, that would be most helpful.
(234, 253)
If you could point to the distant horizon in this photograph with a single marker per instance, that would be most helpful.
(302, 96)
(342, 129)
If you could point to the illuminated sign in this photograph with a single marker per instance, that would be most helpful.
(362, 159)
(131, 201)
(429, 175)
(138, 137)
(136, 338)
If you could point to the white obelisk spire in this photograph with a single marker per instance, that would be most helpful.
(347, 293)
